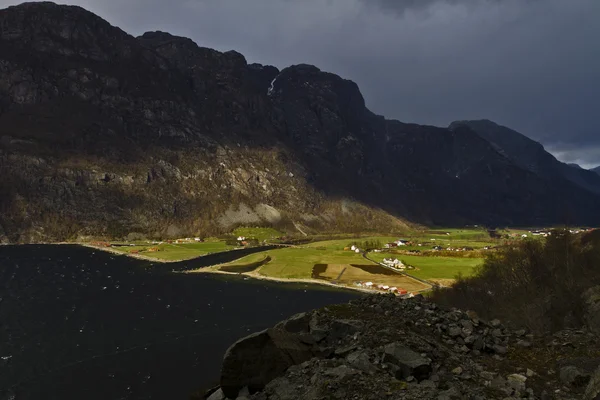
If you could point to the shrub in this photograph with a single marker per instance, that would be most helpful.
(537, 284)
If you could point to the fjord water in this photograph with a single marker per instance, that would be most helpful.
(78, 323)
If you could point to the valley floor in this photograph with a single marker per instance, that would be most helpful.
(422, 258)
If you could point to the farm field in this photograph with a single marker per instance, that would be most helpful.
(432, 268)
(348, 274)
(298, 262)
(259, 234)
(250, 264)
(176, 251)
(340, 244)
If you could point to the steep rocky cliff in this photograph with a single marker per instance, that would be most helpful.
(102, 133)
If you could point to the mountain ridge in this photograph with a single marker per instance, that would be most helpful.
(104, 134)
(531, 155)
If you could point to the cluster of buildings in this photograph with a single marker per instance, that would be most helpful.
(188, 240)
(355, 249)
(457, 248)
(393, 263)
(399, 242)
(382, 288)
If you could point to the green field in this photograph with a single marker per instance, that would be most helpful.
(258, 233)
(298, 262)
(340, 244)
(178, 251)
(440, 267)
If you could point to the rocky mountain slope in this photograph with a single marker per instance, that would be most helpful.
(531, 155)
(105, 134)
(596, 170)
(385, 347)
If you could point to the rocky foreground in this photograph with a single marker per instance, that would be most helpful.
(385, 347)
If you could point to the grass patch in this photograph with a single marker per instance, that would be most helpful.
(259, 234)
(298, 262)
(340, 244)
(247, 267)
(348, 274)
(177, 251)
(435, 267)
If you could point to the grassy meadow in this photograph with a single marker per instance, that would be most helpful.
(176, 251)
(298, 262)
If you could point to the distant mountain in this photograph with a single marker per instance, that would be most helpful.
(574, 165)
(531, 155)
(596, 170)
(106, 135)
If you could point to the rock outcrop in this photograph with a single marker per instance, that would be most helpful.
(591, 299)
(259, 358)
(592, 392)
(387, 347)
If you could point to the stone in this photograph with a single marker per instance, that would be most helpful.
(259, 358)
(592, 391)
(497, 332)
(218, 395)
(341, 372)
(467, 325)
(495, 323)
(318, 331)
(500, 349)
(523, 343)
(454, 331)
(488, 376)
(457, 371)
(343, 328)
(360, 360)
(450, 394)
(473, 316)
(296, 324)
(344, 351)
(572, 376)
(591, 299)
(410, 362)
(516, 382)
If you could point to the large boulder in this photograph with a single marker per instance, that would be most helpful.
(259, 358)
(573, 376)
(591, 298)
(409, 362)
(592, 391)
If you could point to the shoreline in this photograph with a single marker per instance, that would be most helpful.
(142, 256)
(251, 275)
(289, 280)
(122, 253)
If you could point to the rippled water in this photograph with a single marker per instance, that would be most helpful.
(82, 324)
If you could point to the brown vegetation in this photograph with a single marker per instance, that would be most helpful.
(537, 284)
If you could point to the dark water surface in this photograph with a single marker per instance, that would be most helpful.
(82, 324)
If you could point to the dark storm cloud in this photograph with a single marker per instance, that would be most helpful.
(532, 65)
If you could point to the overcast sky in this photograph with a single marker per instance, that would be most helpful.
(532, 65)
